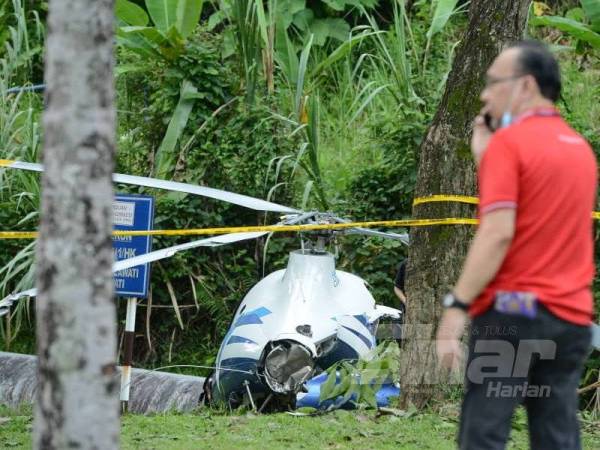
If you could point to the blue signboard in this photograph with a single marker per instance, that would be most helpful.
(132, 212)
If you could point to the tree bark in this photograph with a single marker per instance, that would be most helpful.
(77, 401)
(446, 167)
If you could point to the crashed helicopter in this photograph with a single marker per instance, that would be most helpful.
(293, 324)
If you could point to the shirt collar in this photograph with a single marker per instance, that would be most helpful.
(546, 111)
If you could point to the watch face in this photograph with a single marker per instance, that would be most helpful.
(448, 300)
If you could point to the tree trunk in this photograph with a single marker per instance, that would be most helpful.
(446, 167)
(77, 401)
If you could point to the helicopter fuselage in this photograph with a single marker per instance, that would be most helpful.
(293, 324)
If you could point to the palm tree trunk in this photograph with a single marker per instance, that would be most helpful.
(77, 401)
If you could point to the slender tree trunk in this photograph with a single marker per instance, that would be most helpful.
(77, 403)
(436, 253)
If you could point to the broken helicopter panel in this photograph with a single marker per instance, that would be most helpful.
(291, 326)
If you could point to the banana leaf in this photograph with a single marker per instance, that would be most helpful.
(443, 11)
(165, 156)
(130, 13)
(182, 14)
(592, 12)
(576, 29)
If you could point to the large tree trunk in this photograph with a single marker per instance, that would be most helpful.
(446, 167)
(77, 402)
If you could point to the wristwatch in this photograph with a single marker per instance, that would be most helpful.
(450, 301)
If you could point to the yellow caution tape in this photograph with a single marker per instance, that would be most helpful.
(300, 228)
(446, 198)
(269, 228)
(18, 234)
(463, 199)
(276, 228)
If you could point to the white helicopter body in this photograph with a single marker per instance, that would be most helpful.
(290, 326)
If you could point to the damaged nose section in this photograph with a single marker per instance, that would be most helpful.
(287, 365)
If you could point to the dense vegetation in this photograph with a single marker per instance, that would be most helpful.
(313, 104)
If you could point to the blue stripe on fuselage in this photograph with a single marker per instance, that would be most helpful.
(252, 317)
(249, 318)
(238, 363)
(368, 342)
(240, 340)
(362, 318)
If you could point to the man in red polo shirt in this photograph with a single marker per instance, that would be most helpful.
(526, 279)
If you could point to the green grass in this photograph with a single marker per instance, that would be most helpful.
(340, 429)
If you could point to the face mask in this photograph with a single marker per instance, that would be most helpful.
(506, 119)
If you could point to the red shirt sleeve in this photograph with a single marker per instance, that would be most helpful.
(498, 176)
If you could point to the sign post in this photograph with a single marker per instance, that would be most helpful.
(131, 212)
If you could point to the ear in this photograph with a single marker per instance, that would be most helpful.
(529, 86)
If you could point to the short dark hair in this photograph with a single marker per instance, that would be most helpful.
(535, 59)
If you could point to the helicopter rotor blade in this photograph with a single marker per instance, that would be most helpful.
(7, 301)
(217, 194)
(156, 255)
(34, 167)
(367, 232)
(364, 231)
(294, 219)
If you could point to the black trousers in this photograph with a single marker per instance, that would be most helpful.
(517, 360)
